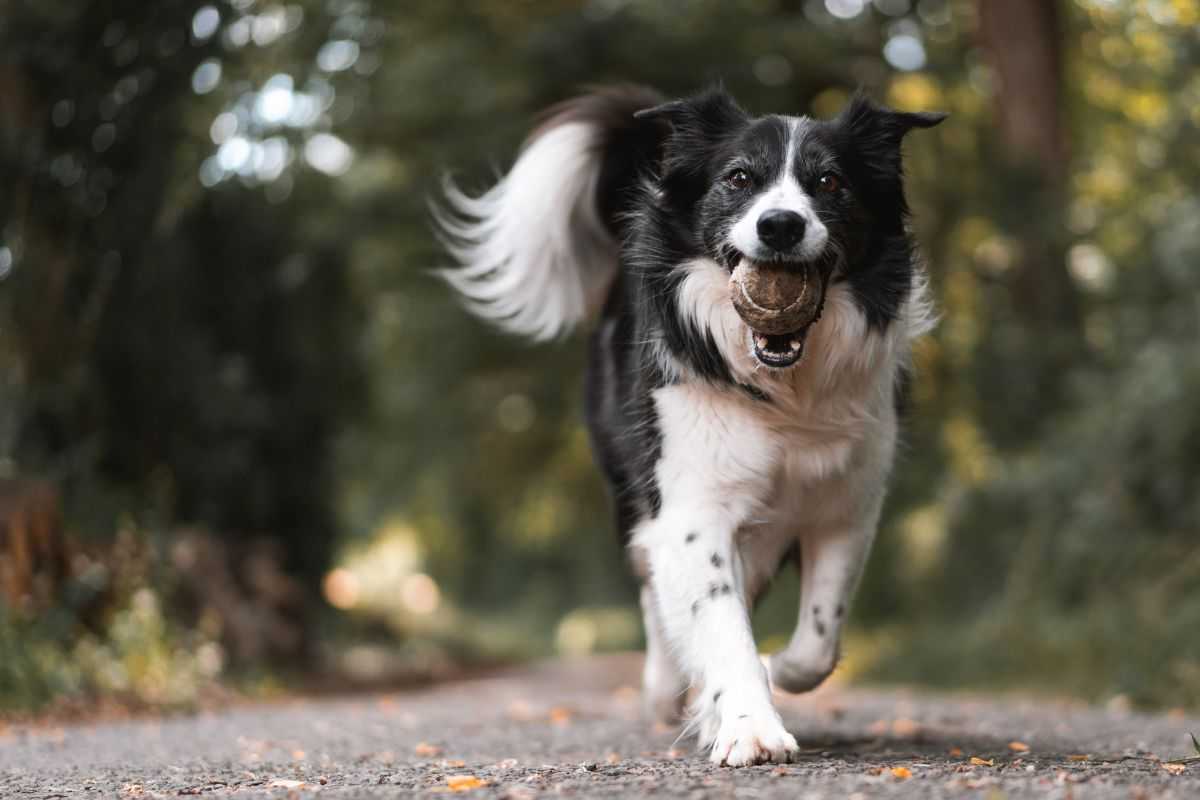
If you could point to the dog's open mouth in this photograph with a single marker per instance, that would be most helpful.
(779, 302)
(779, 350)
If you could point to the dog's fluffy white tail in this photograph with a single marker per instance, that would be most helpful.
(538, 251)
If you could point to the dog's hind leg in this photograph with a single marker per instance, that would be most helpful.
(664, 685)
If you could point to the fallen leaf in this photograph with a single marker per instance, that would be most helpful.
(453, 762)
(613, 758)
(906, 727)
(464, 783)
(1174, 767)
(983, 762)
(285, 783)
(298, 755)
(427, 749)
(560, 715)
(1078, 757)
(1018, 747)
(956, 751)
(903, 773)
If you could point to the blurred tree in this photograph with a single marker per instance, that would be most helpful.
(181, 355)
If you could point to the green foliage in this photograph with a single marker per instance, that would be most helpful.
(129, 648)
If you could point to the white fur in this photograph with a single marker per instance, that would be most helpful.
(535, 257)
(750, 478)
(786, 194)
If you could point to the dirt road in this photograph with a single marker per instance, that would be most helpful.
(573, 729)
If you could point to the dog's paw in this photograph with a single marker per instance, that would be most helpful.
(743, 740)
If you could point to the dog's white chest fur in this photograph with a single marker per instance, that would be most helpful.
(811, 456)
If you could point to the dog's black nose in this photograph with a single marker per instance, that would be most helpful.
(780, 229)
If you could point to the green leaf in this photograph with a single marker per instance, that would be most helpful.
(1195, 743)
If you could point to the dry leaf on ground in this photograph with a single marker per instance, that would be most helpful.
(464, 783)
(903, 773)
(983, 762)
(427, 749)
(1018, 747)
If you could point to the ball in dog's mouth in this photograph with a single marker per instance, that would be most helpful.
(778, 302)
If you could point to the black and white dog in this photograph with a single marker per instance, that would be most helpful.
(757, 295)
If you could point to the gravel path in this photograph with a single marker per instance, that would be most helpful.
(572, 728)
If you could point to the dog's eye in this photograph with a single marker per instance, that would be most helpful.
(829, 183)
(738, 179)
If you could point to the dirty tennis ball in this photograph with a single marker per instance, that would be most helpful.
(776, 298)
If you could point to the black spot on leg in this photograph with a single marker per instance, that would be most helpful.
(695, 607)
(726, 588)
(713, 590)
(820, 628)
(816, 611)
(716, 560)
(691, 537)
(743, 716)
(716, 696)
(841, 610)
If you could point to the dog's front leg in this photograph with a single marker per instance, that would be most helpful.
(697, 583)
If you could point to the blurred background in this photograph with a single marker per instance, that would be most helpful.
(247, 443)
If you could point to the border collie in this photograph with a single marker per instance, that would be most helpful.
(757, 294)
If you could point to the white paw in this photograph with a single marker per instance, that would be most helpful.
(745, 739)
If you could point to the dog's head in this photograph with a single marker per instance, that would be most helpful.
(786, 204)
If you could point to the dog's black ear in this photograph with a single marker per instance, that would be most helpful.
(875, 132)
(692, 128)
(713, 108)
(866, 119)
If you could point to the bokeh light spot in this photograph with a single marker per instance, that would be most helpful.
(844, 9)
(340, 588)
(205, 23)
(207, 76)
(337, 55)
(420, 594)
(327, 153)
(905, 52)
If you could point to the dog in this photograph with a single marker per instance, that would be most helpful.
(757, 294)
